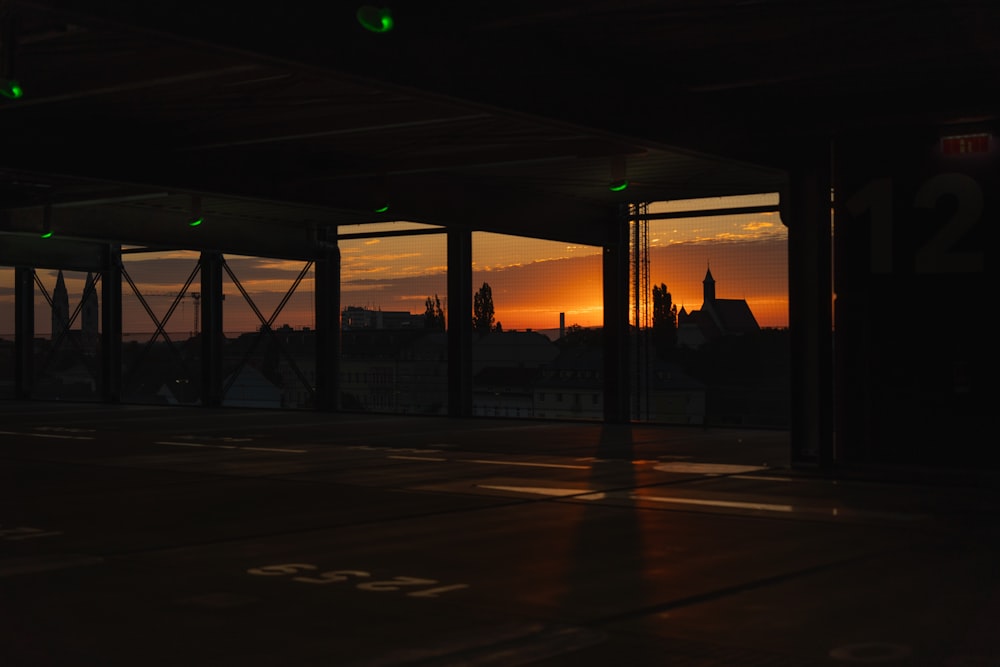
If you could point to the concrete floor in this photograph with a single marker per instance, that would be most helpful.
(171, 536)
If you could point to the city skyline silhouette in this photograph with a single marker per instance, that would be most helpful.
(533, 280)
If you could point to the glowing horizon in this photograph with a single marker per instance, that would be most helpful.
(532, 280)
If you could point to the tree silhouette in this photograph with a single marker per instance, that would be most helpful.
(578, 336)
(433, 314)
(482, 310)
(664, 321)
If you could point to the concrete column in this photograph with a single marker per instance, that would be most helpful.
(805, 210)
(616, 326)
(24, 331)
(459, 323)
(111, 325)
(212, 336)
(328, 326)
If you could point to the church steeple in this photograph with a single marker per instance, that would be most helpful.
(60, 307)
(90, 311)
(708, 286)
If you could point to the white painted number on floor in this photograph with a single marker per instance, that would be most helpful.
(416, 587)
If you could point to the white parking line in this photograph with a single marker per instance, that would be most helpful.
(558, 492)
(587, 494)
(693, 468)
(833, 511)
(49, 435)
(195, 444)
(525, 463)
(417, 458)
(708, 502)
(275, 449)
(771, 478)
(252, 449)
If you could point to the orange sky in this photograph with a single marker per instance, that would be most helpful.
(532, 281)
(532, 295)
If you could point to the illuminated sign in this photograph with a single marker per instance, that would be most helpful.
(965, 144)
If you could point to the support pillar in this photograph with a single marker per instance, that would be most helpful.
(915, 263)
(24, 331)
(459, 323)
(212, 336)
(806, 211)
(111, 325)
(328, 326)
(616, 324)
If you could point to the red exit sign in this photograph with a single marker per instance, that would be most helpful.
(965, 143)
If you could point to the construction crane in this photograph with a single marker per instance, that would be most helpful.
(196, 297)
(641, 306)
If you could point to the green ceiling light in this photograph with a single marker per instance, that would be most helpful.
(375, 19)
(196, 216)
(47, 222)
(11, 89)
(619, 179)
(381, 197)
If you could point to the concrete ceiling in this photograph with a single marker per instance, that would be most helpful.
(280, 119)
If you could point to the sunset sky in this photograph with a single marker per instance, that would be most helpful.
(532, 281)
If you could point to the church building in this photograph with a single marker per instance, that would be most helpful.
(717, 318)
(86, 337)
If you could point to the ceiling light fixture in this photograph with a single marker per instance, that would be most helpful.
(196, 217)
(11, 89)
(618, 180)
(47, 222)
(381, 187)
(375, 19)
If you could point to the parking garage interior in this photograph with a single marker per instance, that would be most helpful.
(215, 140)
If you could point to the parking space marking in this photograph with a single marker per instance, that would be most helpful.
(692, 468)
(275, 449)
(240, 447)
(526, 464)
(395, 450)
(418, 458)
(709, 502)
(835, 512)
(772, 478)
(832, 511)
(557, 492)
(18, 533)
(54, 436)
